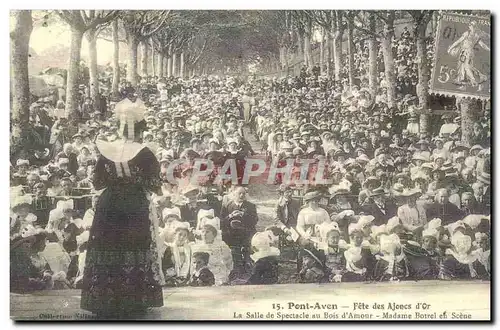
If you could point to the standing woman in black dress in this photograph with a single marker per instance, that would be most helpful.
(122, 276)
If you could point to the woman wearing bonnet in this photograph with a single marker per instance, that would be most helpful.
(221, 261)
(124, 233)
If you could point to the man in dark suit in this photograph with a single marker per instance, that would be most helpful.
(287, 209)
(380, 208)
(443, 209)
(176, 149)
(484, 179)
(238, 221)
(189, 211)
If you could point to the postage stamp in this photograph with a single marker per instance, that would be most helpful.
(462, 56)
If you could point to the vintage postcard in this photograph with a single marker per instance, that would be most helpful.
(250, 165)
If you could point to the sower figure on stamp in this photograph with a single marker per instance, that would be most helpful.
(122, 274)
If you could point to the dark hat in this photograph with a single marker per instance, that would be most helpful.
(420, 142)
(377, 192)
(311, 195)
(39, 185)
(351, 164)
(210, 135)
(340, 192)
(190, 153)
(451, 176)
(205, 256)
(402, 175)
(360, 149)
(339, 153)
(371, 179)
(192, 193)
(195, 139)
(297, 151)
(447, 167)
(459, 146)
(313, 253)
(438, 170)
(411, 192)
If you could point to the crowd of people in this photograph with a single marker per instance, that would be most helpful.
(401, 204)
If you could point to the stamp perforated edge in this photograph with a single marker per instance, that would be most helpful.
(438, 92)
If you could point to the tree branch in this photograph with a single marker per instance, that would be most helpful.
(362, 29)
(84, 16)
(107, 18)
(111, 39)
(72, 18)
(158, 26)
(199, 53)
(381, 17)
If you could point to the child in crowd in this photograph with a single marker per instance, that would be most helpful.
(359, 260)
(391, 260)
(312, 270)
(202, 275)
(177, 258)
(171, 219)
(459, 260)
(21, 215)
(332, 248)
(424, 259)
(265, 257)
(221, 261)
(60, 217)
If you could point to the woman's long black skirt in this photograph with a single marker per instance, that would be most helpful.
(121, 274)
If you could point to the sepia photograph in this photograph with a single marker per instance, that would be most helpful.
(243, 165)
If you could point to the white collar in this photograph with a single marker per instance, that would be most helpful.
(197, 273)
(268, 252)
(463, 258)
(119, 150)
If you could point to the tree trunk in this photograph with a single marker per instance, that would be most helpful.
(160, 65)
(350, 50)
(307, 45)
(73, 74)
(386, 44)
(132, 43)
(165, 65)
(154, 65)
(174, 64)
(94, 80)
(116, 60)
(423, 77)
(181, 71)
(282, 56)
(287, 56)
(469, 109)
(169, 65)
(337, 46)
(322, 52)
(327, 52)
(20, 38)
(300, 43)
(372, 55)
(144, 58)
